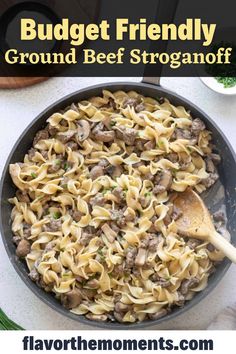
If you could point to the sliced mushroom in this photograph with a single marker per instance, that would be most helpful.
(96, 172)
(215, 158)
(109, 233)
(210, 180)
(92, 284)
(188, 284)
(128, 135)
(120, 307)
(71, 299)
(139, 108)
(106, 136)
(136, 103)
(181, 299)
(114, 171)
(103, 163)
(182, 134)
(34, 275)
(16, 239)
(210, 167)
(132, 102)
(23, 248)
(66, 136)
(88, 294)
(150, 145)
(72, 145)
(118, 316)
(74, 107)
(159, 314)
(83, 130)
(103, 135)
(197, 126)
(26, 230)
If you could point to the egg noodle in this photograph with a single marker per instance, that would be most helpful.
(93, 215)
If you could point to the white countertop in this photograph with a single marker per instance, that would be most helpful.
(18, 108)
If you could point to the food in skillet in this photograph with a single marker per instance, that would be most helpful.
(93, 217)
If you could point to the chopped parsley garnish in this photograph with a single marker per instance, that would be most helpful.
(161, 143)
(227, 81)
(173, 171)
(39, 198)
(57, 162)
(65, 275)
(148, 194)
(100, 252)
(113, 122)
(93, 276)
(56, 215)
(105, 191)
(33, 175)
(66, 166)
(101, 255)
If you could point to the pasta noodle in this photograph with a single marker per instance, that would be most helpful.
(92, 215)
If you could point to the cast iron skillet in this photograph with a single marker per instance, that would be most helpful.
(213, 199)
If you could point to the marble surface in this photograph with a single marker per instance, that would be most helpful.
(17, 109)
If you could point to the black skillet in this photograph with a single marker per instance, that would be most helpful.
(214, 198)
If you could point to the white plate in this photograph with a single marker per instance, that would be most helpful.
(213, 84)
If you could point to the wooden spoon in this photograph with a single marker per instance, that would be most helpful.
(196, 222)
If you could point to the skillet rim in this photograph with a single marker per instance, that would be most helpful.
(19, 265)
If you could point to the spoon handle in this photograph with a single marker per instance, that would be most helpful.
(223, 245)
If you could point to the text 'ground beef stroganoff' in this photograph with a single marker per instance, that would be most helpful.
(93, 216)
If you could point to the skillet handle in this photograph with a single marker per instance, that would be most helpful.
(155, 80)
(165, 14)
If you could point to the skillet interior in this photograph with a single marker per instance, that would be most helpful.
(214, 198)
